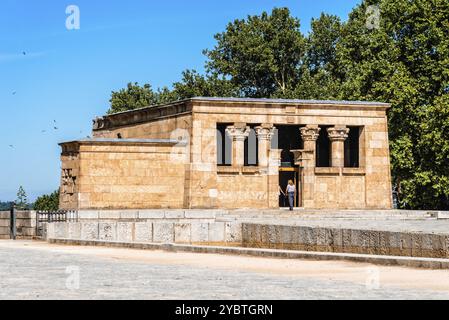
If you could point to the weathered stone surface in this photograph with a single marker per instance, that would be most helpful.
(129, 214)
(109, 214)
(174, 214)
(74, 230)
(85, 214)
(89, 231)
(143, 232)
(200, 214)
(361, 241)
(60, 230)
(199, 232)
(107, 231)
(182, 233)
(5, 215)
(151, 214)
(125, 231)
(217, 232)
(233, 232)
(163, 232)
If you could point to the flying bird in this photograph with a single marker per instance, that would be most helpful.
(11, 146)
(24, 53)
(14, 93)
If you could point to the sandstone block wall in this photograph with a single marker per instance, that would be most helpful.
(116, 176)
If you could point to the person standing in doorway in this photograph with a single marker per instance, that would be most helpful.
(291, 191)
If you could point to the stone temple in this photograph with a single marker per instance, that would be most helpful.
(231, 153)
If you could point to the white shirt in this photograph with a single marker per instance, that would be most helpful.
(291, 188)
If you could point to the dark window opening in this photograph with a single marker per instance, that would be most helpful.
(224, 146)
(352, 148)
(287, 138)
(252, 148)
(323, 148)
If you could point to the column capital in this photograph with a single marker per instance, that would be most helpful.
(310, 133)
(338, 133)
(238, 132)
(265, 132)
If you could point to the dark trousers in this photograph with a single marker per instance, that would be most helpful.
(291, 199)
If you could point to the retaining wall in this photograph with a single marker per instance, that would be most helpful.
(4, 224)
(25, 224)
(410, 244)
(155, 226)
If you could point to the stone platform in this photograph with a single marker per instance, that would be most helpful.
(390, 232)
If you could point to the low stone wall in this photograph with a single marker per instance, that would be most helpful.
(25, 224)
(345, 240)
(4, 225)
(155, 226)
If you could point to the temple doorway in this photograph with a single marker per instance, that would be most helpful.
(286, 174)
(288, 138)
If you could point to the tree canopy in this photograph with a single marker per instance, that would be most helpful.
(48, 202)
(394, 51)
(22, 199)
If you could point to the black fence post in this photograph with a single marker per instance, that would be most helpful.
(12, 222)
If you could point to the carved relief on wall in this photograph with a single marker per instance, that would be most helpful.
(68, 183)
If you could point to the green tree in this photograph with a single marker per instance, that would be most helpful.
(22, 200)
(322, 43)
(261, 55)
(405, 62)
(47, 202)
(194, 84)
(132, 97)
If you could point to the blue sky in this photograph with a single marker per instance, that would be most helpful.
(67, 76)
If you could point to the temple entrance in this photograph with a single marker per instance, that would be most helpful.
(288, 138)
(286, 174)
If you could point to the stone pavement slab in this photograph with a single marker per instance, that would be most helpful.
(42, 271)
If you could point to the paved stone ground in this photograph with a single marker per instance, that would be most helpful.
(31, 270)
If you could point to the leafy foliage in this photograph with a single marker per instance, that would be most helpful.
(47, 202)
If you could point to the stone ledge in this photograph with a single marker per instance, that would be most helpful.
(354, 171)
(327, 171)
(424, 263)
(228, 170)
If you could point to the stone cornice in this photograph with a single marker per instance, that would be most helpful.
(182, 107)
(73, 146)
(142, 115)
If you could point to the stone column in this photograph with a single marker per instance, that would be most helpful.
(273, 178)
(264, 134)
(309, 135)
(337, 136)
(238, 132)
